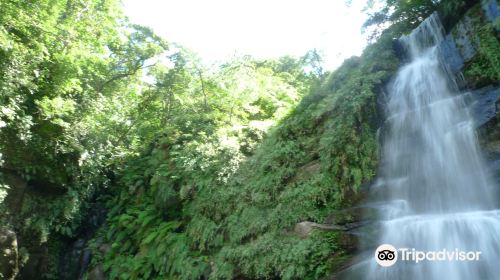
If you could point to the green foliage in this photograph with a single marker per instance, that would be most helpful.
(405, 15)
(204, 199)
(401, 15)
(61, 63)
(208, 169)
(484, 69)
(412, 12)
(268, 195)
(205, 124)
(147, 247)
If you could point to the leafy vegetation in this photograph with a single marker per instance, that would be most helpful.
(204, 171)
(222, 208)
(403, 16)
(484, 68)
(63, 65)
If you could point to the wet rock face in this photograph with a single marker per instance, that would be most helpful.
(491, 9)
(8, 254)
(489, 133)
(484, 105)
(75, 261)
(464, 46)
(450, 54)
(462, 37)
(486, 111)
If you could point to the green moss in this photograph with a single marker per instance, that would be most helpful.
(484, 68)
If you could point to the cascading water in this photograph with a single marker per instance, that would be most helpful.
(432, 185)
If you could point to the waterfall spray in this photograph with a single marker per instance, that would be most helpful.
(432, 176)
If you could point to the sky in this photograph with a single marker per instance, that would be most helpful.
(220, 29)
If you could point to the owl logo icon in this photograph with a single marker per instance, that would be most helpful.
(386, 255)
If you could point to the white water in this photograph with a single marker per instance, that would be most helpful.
(433, 181)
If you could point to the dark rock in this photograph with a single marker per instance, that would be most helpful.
(399, 50)
(303, 229)
(461, 45)
(350, 216)
(16, 191)
(76, 257)
(36, 264)
(483, 107)
(491, 9)
(84, 262)
(489, 136)
(461, 35)
(450, 54)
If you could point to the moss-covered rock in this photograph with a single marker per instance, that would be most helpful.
(477, 39)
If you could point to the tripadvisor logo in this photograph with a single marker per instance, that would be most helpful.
(387, 255)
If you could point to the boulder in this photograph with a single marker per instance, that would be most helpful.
(303, 229)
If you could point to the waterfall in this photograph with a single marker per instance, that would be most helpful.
(432, 183)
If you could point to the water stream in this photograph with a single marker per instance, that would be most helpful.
(433, 181)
